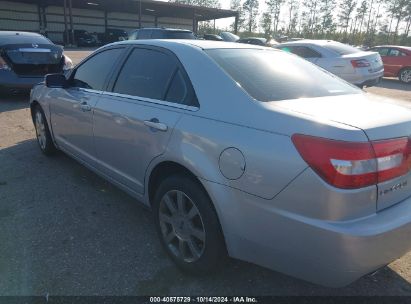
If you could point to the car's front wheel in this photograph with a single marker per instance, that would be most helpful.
(42, 132)
(188, 225)
(405, 75)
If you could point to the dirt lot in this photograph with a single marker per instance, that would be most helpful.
(65, 231)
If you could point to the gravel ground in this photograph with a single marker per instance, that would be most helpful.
(66, 231)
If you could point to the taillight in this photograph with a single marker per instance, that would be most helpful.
(351, 165)
(3, 64)
(68, 64)
(360, 63)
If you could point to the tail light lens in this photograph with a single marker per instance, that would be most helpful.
(68, 64)
(360, 63)
(3, 64)
(351, 165)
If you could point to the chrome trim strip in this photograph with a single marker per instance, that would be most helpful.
(154, 101)
(33, 50)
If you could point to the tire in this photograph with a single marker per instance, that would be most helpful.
(405, 75)
(42, 132)
(192, 237)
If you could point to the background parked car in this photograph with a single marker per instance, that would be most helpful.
(212, 37)
(397, 61)
(161, 33)
(112, 35)
(253, 40)
(230, 37)
(351, 64)
(26, 57)
(82, 38)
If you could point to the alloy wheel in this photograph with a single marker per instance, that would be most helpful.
(405, 76)
(181, 226)
(40, 130)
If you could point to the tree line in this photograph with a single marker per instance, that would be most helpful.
(357, 22)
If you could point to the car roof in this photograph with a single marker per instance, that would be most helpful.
(310, 41)
(395, 46)
(202, 44)
(164, 29)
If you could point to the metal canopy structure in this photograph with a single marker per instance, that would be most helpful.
(157, 9)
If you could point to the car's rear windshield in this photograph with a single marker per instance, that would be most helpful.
(269, 75)
(23, 39)
(179, 35)
(341, 48)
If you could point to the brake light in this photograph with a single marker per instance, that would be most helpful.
(351, 165)
(360, 63)
(68, 64)
(3, 64)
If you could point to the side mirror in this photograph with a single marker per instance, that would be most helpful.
(56, 81)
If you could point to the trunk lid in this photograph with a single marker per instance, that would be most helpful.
(33, 59)
(372, 57)
(379, 118)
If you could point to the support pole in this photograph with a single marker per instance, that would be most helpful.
(194, 20)
(155, 21)
(66, 36)
(71, 22)
(236, 24)
(105, 21)
(139, 14)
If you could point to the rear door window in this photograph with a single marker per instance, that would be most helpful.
(382, 51)
(93, 73)
(146, 73)
(177, 91)
(305, 52)
(396, 53)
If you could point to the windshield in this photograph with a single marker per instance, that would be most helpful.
(23, 39)
(229, 37)
(340, 48)
(180, 35)
(269, 75)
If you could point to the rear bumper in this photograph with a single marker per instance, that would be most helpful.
(330, 253)
(9, 80)
(365, 78)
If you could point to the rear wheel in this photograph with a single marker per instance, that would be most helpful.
(188, 226)
(42, 132)
(405, 75)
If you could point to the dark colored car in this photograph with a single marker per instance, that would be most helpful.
(212, 37)
(112, 35)
(161, 33)
(396, 60)
(230, 37)
(26, 57)
(253, 40)
(83, 38)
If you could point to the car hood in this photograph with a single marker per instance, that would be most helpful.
(377, 116)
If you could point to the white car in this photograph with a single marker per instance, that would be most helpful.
(349, 63)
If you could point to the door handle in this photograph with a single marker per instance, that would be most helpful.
(85, 107)
(155, 124)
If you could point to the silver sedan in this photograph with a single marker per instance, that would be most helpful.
(351, 64)
(240, 151)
